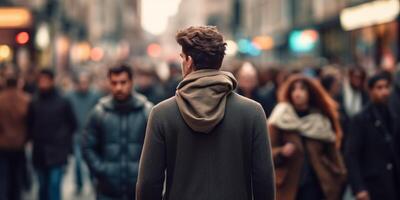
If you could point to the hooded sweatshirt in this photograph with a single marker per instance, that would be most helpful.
(201, 98)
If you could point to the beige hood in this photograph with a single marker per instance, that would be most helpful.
(201, 98)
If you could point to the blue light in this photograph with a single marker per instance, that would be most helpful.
(303, 41)
(247, 47)
(244, 46)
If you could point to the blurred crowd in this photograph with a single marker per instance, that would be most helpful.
(47, 112)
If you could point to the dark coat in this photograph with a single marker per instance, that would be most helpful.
(266, 98)
(51, 124)
(372, 157)
(154, 93)
(324, 159)
(340, 100)
(112, 144)
(233, 161)
(345, 118)
(270, 100)
(394, 101)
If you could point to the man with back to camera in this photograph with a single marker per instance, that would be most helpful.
(114, 137)
(207, 141)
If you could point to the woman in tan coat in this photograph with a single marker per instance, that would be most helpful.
(305, 137)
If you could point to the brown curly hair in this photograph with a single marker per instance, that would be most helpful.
(204, 44)
(319, 99)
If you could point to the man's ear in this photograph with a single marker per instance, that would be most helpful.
(189, 66)
(190, 61)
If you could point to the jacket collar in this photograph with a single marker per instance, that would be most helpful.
(136, 101)
(377, 121)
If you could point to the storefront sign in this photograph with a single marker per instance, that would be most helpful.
(368, 14)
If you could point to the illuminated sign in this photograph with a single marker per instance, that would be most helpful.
(303, 41)
(368, 14)
(15, 18)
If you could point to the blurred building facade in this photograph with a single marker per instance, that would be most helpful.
(265, 31)
(369, 45)
(65, 33)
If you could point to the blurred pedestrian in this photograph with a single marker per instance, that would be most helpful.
(207, 142)
(114, 137)
(248, 86)
(174, 79)
(147, 83)
(271, 96)
(353, 96)
(82, 99)
(332, 85)
(372, 154)
(51, 124)
(247, 77)
(30, 85)
(352, 99)
(305, 136)
(13, 115)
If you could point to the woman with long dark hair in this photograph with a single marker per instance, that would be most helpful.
(305, 136)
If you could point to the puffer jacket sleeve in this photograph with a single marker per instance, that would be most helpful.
(91, 142)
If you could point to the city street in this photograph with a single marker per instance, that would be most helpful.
(68, 187)
(200, 99)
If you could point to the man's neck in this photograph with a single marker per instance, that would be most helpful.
(128, 98)
(354, 88)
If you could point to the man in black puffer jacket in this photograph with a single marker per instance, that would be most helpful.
(114, 137)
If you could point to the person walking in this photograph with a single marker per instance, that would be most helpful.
(13, 115)
(114, 136)
(372, 153)
(51, 124)
(207, 141)
(83, 99)
(305, 136)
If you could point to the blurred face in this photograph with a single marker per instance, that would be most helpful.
(299, 96)
(356, 80)
(247, 79)
(144, 81)
(45, 83)
(121, 86)
(84, 83)
(335, 89)
(380, 92)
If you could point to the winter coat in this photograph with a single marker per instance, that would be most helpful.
(372, 154)
(51, 124)
(112, 144)
(209, 142)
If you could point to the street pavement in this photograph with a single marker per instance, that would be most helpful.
(68, 186)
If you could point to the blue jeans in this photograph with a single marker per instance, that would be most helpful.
(50, 180)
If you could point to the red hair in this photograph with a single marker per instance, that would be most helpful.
(318, 98)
